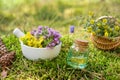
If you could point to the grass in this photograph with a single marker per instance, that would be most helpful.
(101, 64)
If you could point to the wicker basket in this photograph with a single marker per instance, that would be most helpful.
(104, 43)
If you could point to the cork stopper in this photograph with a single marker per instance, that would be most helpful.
(81, 44)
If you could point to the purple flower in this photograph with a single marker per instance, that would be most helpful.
(51, 36)
(58, 42)
(71, 29)
(56, 34)
(49, 45)
(56, 39)
(52, 44)
(49, 33)
(39, 27)
(36, 34)
(39, 32)
(33, 32)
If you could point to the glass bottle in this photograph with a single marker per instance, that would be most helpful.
(78, 54)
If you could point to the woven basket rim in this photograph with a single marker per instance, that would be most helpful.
(109, 38)
(105, 46)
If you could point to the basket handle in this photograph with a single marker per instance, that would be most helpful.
(108, 17)
(105, 17)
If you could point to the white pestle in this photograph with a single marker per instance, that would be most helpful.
(18, 33)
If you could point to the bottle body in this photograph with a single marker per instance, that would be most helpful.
(77, 56)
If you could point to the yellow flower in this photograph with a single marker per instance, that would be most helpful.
(111, 29)
(89, 29)
(105, 30)
(104, 20)
(106, 26)
(40, 46)
(34, 42)
(117, 28)
(98, 30)
(29, 43)
(41, 39)
(106, 34)
(93, 33)
(91, 13)
(35, 45)
(22, 38)
(28, 35)
(98, 24)
(92, 21)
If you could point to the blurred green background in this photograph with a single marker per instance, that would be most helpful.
(26, 14)
(58, 14)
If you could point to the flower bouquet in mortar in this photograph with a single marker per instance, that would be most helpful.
(105, 31)
(41, 43)
(41, 38)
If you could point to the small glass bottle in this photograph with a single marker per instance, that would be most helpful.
(78, 54)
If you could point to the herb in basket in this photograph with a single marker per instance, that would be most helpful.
(106, 26)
